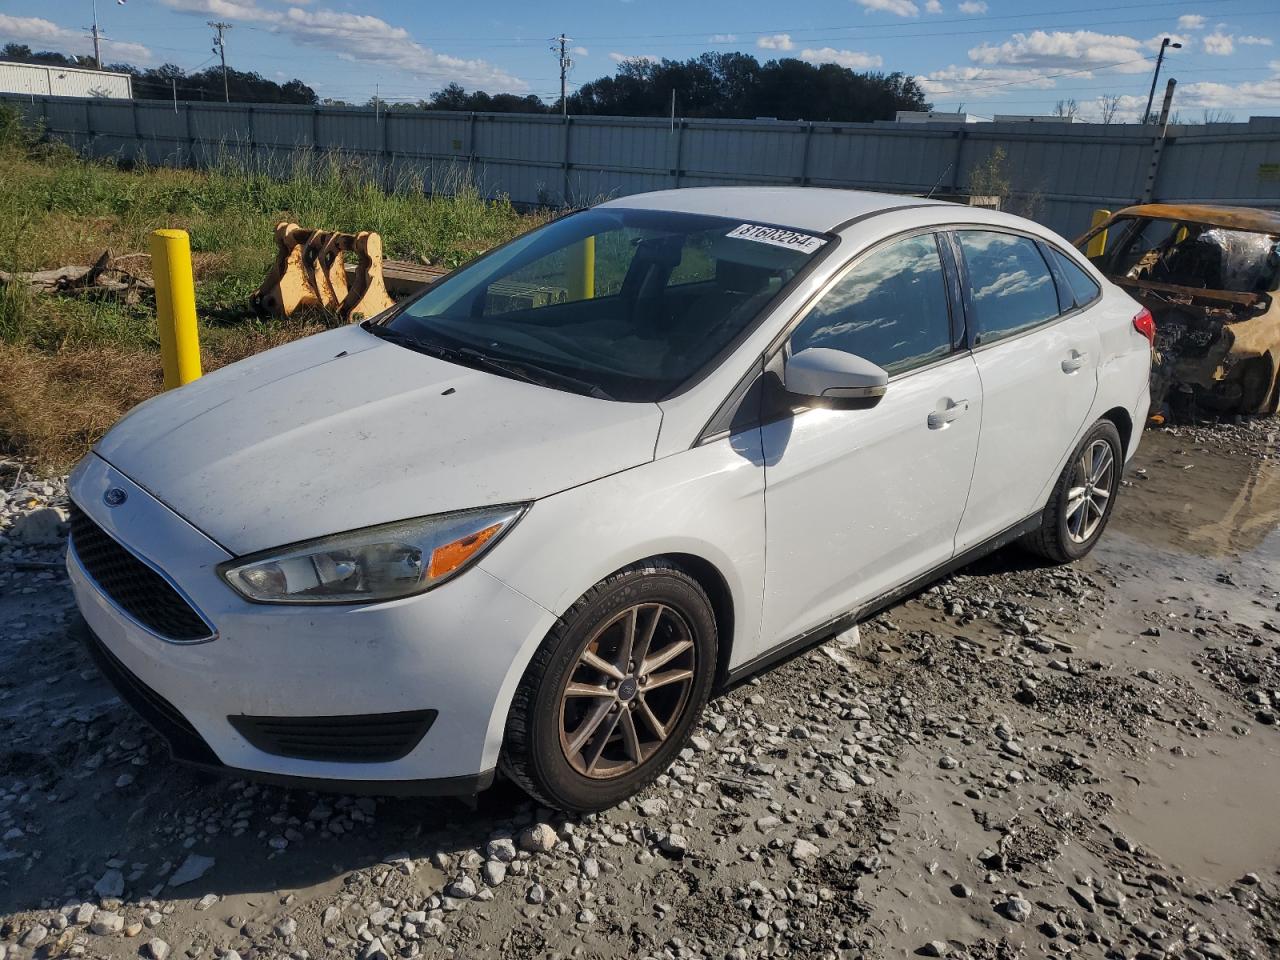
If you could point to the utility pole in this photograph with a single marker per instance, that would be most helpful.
(1166, 42)
(97, 49)
(558, 45)
(220, 48)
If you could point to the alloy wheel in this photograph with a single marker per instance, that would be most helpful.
(628, 690)
(1090, 491)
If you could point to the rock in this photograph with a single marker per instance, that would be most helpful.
(653, 807)
(536, 894)
(961, 891)
(1016, 909)
(464, 888)
(803, 850)
(673, 846)
(286, 927)
(948, 762)
(83, 913)
(34, 936)
(155, 949)
(493, 872)
(539, 838)
(379, 917)
(110, 884)
(374, 950)
(207, 901)
(503, 849)
(193, 868)
(105, 923)
(330, 916)
(934, 948)
(43, 526)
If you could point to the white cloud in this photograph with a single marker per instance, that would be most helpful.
(360, 38)
(632, 57)
(1264, 93)
(580, 52)
(932, 6)
(1191, 21)
(1252, 41)
(1061, 50)
(775, 41)
(1219, 44)
(972, 6)
(853, 59)
(38, 32)
(902, 8)
(723, 38)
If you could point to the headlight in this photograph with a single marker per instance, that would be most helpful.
(376, 563)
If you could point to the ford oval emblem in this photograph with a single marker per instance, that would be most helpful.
(114, 497)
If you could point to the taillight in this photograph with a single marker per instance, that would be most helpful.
(1145, 324)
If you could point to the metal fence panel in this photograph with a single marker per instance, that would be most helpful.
(1058, 173)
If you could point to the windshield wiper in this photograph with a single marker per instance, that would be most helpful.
(531, 373)
(469, 356)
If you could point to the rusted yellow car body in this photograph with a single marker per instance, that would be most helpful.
(1209, 275)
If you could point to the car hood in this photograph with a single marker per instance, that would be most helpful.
(342, 430)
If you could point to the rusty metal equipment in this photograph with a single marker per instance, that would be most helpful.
(310, 270)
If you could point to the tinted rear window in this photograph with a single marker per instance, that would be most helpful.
(1010, 286)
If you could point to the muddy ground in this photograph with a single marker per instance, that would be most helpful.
(1022, 761)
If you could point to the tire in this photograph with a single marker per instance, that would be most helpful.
(543, 748)
(1059, 539)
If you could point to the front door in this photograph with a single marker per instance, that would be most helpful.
(858, 501)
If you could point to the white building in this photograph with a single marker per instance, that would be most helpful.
(937, 116)
(45, 80)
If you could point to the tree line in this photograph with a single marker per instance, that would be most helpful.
(163, 82)
(713, 85)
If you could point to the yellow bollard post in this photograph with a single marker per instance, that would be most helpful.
(175, 307)
(1098, 245)
(582, 271)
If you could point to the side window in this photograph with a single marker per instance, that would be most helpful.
(891, 308)
(1010, 286)
(1084, 289)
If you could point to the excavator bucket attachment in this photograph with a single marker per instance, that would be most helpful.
(332, 268)
(287, 286)
(368, 295)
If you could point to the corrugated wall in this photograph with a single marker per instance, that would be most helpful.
(1058, 173)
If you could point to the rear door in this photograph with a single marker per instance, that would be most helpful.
(858, 501)
(1037, 357)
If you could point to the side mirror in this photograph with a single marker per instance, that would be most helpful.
(833, 375)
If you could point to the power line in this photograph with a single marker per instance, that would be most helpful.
(565, 64)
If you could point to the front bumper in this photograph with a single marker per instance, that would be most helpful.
(290, 678)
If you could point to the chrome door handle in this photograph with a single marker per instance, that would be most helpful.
(940, 418)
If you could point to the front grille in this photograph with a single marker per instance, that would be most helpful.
(132, 585)
(184, 742)
(363, 738)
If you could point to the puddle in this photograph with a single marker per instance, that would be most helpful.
(1206, 504)
(1209, 815)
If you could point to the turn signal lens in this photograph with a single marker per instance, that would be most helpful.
(1145, 324)
(451, 556)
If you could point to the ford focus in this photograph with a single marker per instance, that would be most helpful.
(530, 520)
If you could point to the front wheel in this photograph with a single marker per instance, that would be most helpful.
(1082, 499)
(612, 694)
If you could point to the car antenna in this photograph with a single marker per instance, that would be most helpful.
(939, 182)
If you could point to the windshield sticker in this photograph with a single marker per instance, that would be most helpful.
(778, 237)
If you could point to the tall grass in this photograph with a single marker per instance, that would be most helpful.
(57, 208)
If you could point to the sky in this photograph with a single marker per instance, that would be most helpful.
(985, 56)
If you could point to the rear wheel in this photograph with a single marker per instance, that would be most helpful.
(612, 694)
(1082, 499)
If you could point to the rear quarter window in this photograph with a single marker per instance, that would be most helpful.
(1084, 289)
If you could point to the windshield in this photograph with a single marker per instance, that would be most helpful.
(1189, 254)
(623, 304)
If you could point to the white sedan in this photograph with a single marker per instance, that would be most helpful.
(532, 519)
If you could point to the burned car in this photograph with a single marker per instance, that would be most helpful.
(1208, 274)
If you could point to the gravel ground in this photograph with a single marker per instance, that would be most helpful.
(1019, 762)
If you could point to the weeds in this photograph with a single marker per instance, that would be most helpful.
(57, 208)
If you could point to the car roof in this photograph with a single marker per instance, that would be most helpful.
(1212, 214)
(820, 209)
